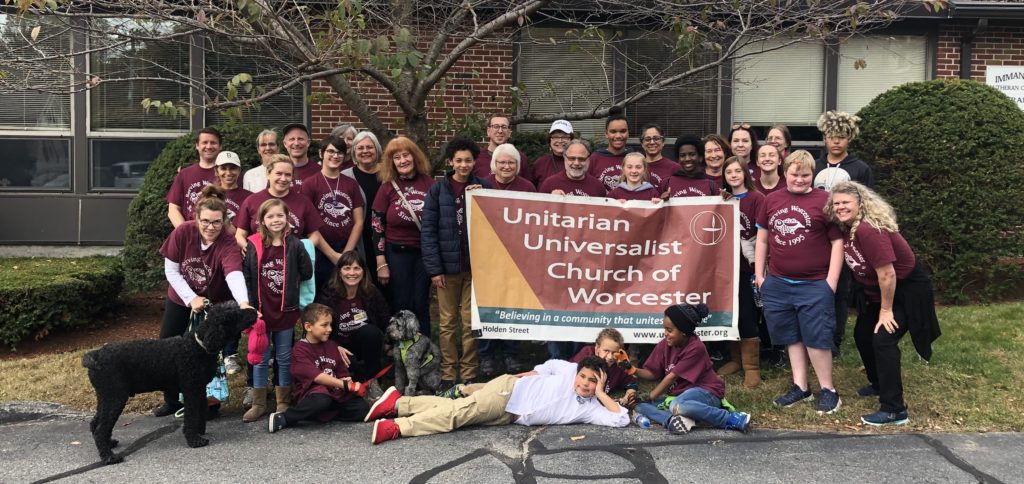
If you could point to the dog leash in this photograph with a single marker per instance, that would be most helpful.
(362, 387)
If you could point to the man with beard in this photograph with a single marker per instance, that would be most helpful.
(575, 180)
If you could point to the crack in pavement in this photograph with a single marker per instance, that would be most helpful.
(135, 446)
(954, 459)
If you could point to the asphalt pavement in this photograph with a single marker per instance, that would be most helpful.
(45, 443)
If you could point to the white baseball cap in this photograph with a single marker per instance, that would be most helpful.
(561, 125)
(228, 158)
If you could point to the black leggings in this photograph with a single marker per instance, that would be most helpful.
(367, 347)
(311, 406)
(175, 323)
(749, 315)
(880, 353)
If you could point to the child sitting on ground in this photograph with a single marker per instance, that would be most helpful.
(621, 372)
(323, 388)
(683, 370)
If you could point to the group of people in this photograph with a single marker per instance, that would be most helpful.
(298, 231)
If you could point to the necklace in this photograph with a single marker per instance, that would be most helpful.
(334, 191)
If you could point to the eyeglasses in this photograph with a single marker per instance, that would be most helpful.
(207, 223)
(576, 158)
(652, 139)
(744, 126)
(561, 137)
(334, 153)
(267, 145)
(506, 163)
(499, 127)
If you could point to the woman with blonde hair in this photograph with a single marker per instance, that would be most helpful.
(397, 210)
(897, 295)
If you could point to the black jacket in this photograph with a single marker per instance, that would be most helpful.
(859, 171)
(440, 240)
(295, 257)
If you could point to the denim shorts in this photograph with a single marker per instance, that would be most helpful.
(801, 312)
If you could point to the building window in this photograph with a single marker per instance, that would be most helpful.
(559, 71)
(36, 163)
(122, 163)
(22, 107)
(890, 62)
(782, 86)
(224, 60)
(158, 69)
(690, 108)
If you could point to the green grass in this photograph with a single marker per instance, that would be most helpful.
(973, 384)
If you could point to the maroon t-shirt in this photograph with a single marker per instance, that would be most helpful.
(620, 193)
(606, 167)
(617, 377)
(799, 234)
(271, 287)
(546, 166)
(872, 248)
(235, 199)
(188, 185)
(304, 218)
(482, 168)
(334, 200)
(660, 171)
(690, 363)
(518, 184)
(586, 187)
(684, 186)
(204, 270)
(349, 315)
(400, 228)
(310, 360)
(781, 185)
(300, 175)
(750, 205)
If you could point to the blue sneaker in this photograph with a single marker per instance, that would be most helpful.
(794, 396)
(886, 418)
(828, 402)
(737, 421)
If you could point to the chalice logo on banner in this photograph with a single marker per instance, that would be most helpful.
(707, 228)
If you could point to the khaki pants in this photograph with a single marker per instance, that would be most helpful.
(433, 415)
(454, 296)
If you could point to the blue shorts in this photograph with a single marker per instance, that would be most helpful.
(799, 312)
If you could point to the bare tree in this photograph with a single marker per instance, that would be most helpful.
(406, 47)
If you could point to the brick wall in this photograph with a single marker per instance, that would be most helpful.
(482, 78)
(999, 45)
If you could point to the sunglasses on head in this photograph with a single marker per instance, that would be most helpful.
(744, 126)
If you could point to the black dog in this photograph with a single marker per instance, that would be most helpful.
(182, 364)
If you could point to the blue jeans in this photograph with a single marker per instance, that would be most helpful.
(410, 284)
(563, 350)
(283, 341)
(695, 403)
(488, 348)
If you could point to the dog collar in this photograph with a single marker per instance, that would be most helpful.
(200, 343)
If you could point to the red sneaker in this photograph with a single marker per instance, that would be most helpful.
(384, 430)
(384, 407)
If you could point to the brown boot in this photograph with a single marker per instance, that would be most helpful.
(259, 406)
(751, 351)
(283, 395)
(733, 365)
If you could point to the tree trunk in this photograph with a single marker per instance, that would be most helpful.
(416, 128)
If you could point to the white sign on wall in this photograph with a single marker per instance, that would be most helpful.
(1009, 80)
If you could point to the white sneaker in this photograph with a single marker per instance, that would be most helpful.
(231, 365)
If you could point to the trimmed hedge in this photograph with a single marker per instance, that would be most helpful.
(148, 225)
(37, 295)
(949, 156)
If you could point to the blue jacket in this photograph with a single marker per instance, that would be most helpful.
(442, 238)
